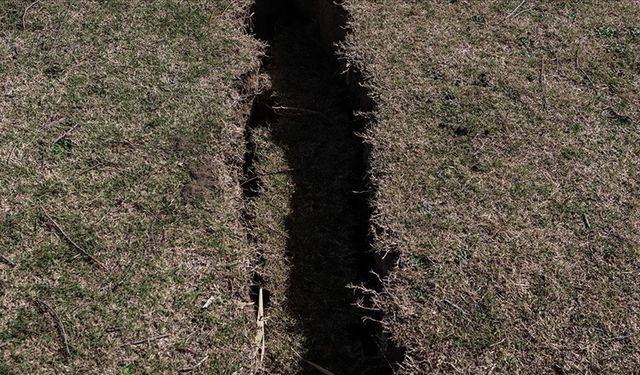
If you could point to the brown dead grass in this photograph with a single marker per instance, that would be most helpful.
(124, 120)
(505, 156)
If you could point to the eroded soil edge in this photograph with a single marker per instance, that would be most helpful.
(307, 197)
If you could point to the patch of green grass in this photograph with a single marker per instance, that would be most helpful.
(479, 19)
(525, 41)
(633, 32)
(606, 32)
(619, 49)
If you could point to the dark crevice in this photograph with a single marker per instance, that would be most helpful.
(312, 116)
(261, 113)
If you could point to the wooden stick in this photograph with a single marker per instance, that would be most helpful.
(10, 155)
(7, 261)
(455, 306)
(66, 133)
(59, 326)
(70, 241)
(314, 365)
(260, 335)
(273, 230)
(208, 303)
(585, 220)
(196, 366)
(515, 10)
(318, 367)
(522, 11)
(545, 102)
(148, 340)
(55, 122)
(24, 14)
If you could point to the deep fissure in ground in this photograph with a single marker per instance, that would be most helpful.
(308, 112)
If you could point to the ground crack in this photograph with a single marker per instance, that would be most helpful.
(307, 198)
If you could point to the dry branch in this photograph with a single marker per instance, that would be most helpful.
(60, 327)
(318, 367)
(148, 340)
(65, 133)
(515, 10)
(196, 366)
(7, 261)
(585, 220)
(208, 303)
(24, 14)
(273, 230)
(260, 334)
(70, 241)
(10, 155)
(542, 81)
(463, 311)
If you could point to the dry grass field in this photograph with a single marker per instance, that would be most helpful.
(506, 160)
(123, 122)
(462, 176)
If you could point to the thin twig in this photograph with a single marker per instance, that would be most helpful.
(7, 261)
(314, 365)
(24, 14)
(55, 122)
(258, 175)
(619, 338)
(273, 230)
(260, 323)
(66, 133)
(208, 303)
(304, 110)
(585, 220)
(11, 154)
(515, 10)
(360, 304)
(522, 11)
(97, 165)
(70, 241)
(318, 367)
(196, 366)
(59, 326)
(456, 306)
(148, 340)
(545, 102)
(578, 67)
